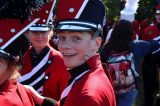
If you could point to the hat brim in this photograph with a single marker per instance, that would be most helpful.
(43, 29)
(40, 27)
(4, 54)
(75, 26)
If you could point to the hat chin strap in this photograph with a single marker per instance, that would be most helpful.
(96, 34)
(89, 53)
(98, 31)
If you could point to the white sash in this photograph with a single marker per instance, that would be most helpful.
(68, 88)
(35, 70)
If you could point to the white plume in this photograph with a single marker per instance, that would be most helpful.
(130, 9)
(132, 5)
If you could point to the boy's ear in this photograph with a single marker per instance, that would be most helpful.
(98, 42)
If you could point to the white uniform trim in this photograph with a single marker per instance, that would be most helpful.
(35, 69)
(156, 51)
(40, 90)
(37, 80)
(68, 88)
(157, 38)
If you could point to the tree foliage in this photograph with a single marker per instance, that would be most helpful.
(112, 9)
(146, 9)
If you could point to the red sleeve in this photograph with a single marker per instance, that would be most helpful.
(145, 33)
(64, 76)
(62, 73)
(86, 100)
(25, 95)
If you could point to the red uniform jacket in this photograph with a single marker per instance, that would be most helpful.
(14, 94)
(56, 75)
(143, 25)
(92, 89)
(135, 25)
(150, 32)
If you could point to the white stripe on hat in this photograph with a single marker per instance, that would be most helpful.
(81, 9)
(51, 12)
(19, 33)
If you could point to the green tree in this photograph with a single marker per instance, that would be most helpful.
(146, 9)
(112, 9)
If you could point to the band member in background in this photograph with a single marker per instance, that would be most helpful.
(14, 20)
(43, 67)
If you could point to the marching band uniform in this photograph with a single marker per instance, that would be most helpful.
(135, 25)
(45, 72)
(12, 25)
(50, 78)
(151, 32)
(14, 94)
(143, 24)
(88, 84)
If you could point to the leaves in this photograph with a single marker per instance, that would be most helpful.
(18, 9)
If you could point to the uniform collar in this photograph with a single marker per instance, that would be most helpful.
(90, 64)
(78, 70)
(42, 54)
(8, 85)
(94, 61)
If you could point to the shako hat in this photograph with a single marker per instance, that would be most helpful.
(15, 19)
(45, 15)
(80, 15)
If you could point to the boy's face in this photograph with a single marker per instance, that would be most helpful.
(74, 46)
(39, 39)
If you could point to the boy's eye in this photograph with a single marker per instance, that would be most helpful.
(76, 38)
(61, 38)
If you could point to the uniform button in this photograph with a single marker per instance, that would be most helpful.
(1, 40)
(47, 11)
(49, 61)
(44, 20)
(46, 77)
(71, 10)
(13, 30)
